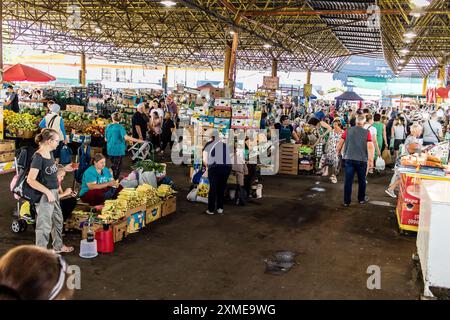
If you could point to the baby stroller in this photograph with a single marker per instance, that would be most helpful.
(141, 151)
(25, 212)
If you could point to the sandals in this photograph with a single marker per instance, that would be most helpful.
(64, 249)
(333, 179)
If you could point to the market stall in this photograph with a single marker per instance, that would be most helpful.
(415, 169)
(348, 97)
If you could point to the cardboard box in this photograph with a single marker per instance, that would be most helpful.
(153, 213)
(169, 206)
(219, 123)
(239, 123)
(74, 108)
(7, 156)
(95, 227)
(222, 103)
(241, 113)
(201, 111)
(221, 113)
(217, 93)
(76, 222)
(120, 230)
(306, 167)
(136, 222)
(130, 212)
(7, 145)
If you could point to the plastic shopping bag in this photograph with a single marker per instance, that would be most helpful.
(192, 196)
(380, 165)
(203, 190)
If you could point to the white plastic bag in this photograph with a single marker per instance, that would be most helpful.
(380, 165)
(148, 177)
(192, 196)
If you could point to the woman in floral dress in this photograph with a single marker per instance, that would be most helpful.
(331, 158)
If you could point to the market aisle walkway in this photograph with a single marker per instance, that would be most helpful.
(193, 256)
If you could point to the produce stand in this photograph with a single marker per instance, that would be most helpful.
(431, 165)
(133, 210)
(408, 205)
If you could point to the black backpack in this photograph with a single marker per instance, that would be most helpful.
(84, 158)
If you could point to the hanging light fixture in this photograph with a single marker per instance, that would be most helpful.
(168, 3)
(420, 3)
(267, 46)
(410, 34)
(404, 51)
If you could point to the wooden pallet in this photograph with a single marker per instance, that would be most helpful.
(288, 159)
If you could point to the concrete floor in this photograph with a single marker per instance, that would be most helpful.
(190, 255)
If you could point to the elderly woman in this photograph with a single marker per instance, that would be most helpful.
(411, 145)
(331, 156)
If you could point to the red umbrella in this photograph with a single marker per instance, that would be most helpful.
(20, 72)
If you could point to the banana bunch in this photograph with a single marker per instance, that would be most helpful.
(165, 191)
(148, 193)
(20, 121)
(132, 197)
(203, 190)
(112, 210)
(80, 213)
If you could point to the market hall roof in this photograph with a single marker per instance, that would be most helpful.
(311, 34)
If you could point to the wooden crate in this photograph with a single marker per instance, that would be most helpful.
(7, 156)
(153, 213)
(7, 145)
(169, 206)
(74, 108)
(120, 230)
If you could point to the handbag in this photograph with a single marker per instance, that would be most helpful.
(386, 155)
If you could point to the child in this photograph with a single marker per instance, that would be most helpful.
(115, 137)
(67, 198)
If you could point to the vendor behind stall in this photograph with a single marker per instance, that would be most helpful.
(12, 102)
(98, 183)
(286, 131)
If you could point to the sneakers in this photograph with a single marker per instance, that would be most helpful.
(390, 193)
(346, 205)
(366, 199)
(209, 212)
(220, 211)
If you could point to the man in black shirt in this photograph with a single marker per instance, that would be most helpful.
(140, 123)
(12, 102)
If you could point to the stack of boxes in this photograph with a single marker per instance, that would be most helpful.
(7, 151)
(222, 114)
(244, 115)
(305, 160)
